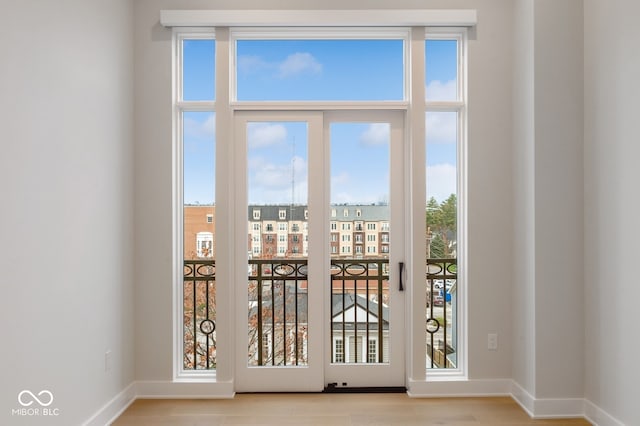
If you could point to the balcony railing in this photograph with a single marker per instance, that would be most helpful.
(360, 310)
(441, 313)
(199, 314)
(277, 312)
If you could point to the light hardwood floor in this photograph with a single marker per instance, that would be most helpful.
(333, 409)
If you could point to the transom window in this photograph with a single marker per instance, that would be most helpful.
(320, 70)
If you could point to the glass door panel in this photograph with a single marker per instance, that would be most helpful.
(359, 229)
(316, 307)
(274, 352)
(277, 229)
(366, 309)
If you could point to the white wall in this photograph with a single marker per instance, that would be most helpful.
(612, 229)
(559, 283)
(67, 204)
(548, 241)
(524, 276)
(490, 190)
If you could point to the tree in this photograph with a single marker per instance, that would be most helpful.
(441, 220)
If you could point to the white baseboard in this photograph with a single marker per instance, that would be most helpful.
(536, 408)
(176, 390)
(158, 389)
(547, 408)
(459, 388)
(598, 416)
(112, 409)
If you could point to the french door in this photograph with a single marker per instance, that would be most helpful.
(319, 246)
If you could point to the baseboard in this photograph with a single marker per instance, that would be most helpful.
(112, 409)
(598, 416)
(459, 388)
(158, 389)
(177, 390)
(523, 398)
(536, 408)
(556, 408)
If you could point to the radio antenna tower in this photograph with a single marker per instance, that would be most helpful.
(293, 175)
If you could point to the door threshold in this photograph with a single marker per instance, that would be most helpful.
(334, 388)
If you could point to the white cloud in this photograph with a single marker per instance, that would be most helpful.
(341, 179)
(266, 134)
(272, 183)
(198, 129)
(248, 64)
(376, 134)
(441, 181)
(442, 91)
(292, 65)
(442, 127)
(298, 63)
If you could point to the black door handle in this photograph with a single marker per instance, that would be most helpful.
(401, 286)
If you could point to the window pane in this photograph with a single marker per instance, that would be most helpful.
(278, 246)
(359, 235)
(320, 70)
(198, 70)
(199, 241)
(441, 70)
(441, 239)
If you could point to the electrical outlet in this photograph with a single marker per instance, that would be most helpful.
(492, 341)
(107, 361)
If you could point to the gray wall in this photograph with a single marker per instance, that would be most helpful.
(612, 229)
(548, 290)
(67, 204)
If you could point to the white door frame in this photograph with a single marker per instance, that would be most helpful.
(362, 374)
(320, 369)
(290, 378)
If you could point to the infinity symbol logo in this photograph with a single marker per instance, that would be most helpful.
(22, 396)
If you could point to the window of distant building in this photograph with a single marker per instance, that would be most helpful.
(204, 244)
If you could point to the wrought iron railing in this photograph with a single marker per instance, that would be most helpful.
(359, 310)
(278, 309)
(199, 315)
(441, 287)
(278, 301)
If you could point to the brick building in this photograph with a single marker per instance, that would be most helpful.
(356, 231)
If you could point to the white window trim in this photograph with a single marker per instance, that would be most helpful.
(320, 18)
(179, 108)
(459, 105)
(416, 113)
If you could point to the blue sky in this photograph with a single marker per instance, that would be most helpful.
(317, 70)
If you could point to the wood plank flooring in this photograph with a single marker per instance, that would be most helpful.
(333, 409)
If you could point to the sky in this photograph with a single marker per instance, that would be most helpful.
(361, 70)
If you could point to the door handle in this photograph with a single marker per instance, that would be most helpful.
(401, 283)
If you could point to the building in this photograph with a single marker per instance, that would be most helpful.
(199, 231)
(87, 129)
